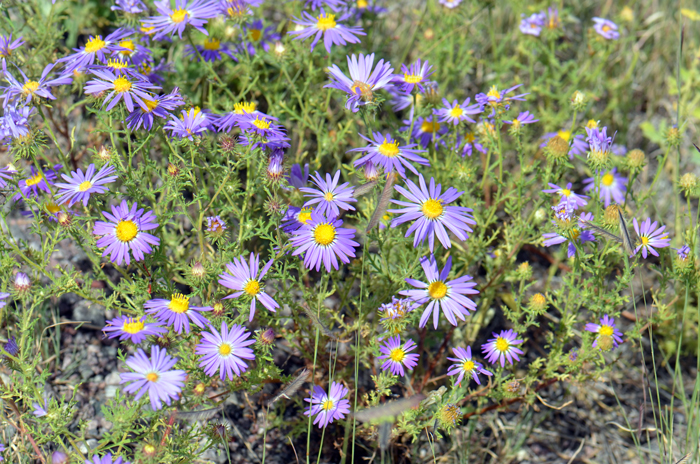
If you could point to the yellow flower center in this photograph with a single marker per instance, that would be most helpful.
(252, 288)
(328, 196)
(126, 43)
(179, 303)
(126, 231)
(469, 137)
(152, 377)
(84, 186)
(566, 192)
(608, 179)
(261, 123)
(30, 87)
(133, 326)
(362, 4)
(456, 112)
(592, 124)
(432, 208)
(645, 241)
(606, 28)
(412, 78)
(389, 149)
(327, 405)
(95, 44)
(225, 349)
(325, 22)
(53, 208)
(178, 15)
(494, 93)
(566, 135)
(150, 104)
(430, 127)
(606, 330)
(244, 107)
(255, 34)
(305, 215)
(502, 344)
(34, 180)
(235, 11)
(145, 69)
(147, 29)
(468, 366)
(212, 44)
(365, 90)
(117, 64)
(397, 355)
(575, 233)
(324, 234)
(437, 290)
(121, 84)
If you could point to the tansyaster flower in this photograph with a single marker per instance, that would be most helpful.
(502, 347)
(96, 48)
(532, 25)
(225, 351)
(384, 150)
(15, 122)
(330, 197)
(439, 293)
(134, 329)
(177, 312)
(397, 309)
(295, 217)
(553, 21)
(120, 88)
(450, 3)
(80, 186)
(22, 282)
(129, 6)
(334, 5)
(454, 113)
(425, 129)
(428, 208)
(523, 118)
(397, 356)
(171, 21)
(650, 237)
(297, 178)
(413, 76)
(154, 376)
(465, 365)
(577, 236)
(41, 410)
(322, 241)
(125, 232)
(246, 278)
(240, 110)
(189, 124)
(157, 105)
(11, 346)
(579, 146)
(682, 253)
(612, 187)
(567, 195)
(605, 328)
(325, 25)
(29, 89)
(7, 45)
(328, 407)
(495, 97)
(467, 143)
(212, 50)
(216, 224)
(255, 35)
(260, 124)
(363, 81)
(598, 140)
(36, 181)
(107, 458)
(606, 28)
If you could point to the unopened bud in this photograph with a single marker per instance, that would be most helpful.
(538, 303)
(673, 136)
(578, 100)
(198, 271)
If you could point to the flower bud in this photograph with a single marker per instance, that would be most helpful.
(538, 303)
(267, 336)
(636, 159)
(279, 49)
(199, 389)
(673, 136)
(688, 182)
(197, 270)
(540, 215)
(578, 100)
(626, 14)
(173, 170)
(218, 309)
(275, 166)
(59, 458)
(524, 271)
(64, 219)
(22, 283)
(371, 172)
(227, 142)
(429, 34)
(274, 205)
(149, 450)
(105, 153)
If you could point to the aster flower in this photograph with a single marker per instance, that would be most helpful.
(3, 295)
(577, 236)
(682, 253)
(425, 129)
(260, 124)
(125, 232)
(245, 277)
(465, 365)
(15, 122)
(296, 177)
(397, 309)
(330, 197)
(31, 89)
(650, 237)
(532, 25)
(295, 217)
(334, 33)
(157, 105)
(7, 45)
(36, 181)
(170, 21)
(120, 88)
(612, 187)
(523, 118)
(413, 76)
(502, 347)
(605, 328)
(495, 97)
(107, 458)
(450, 3)
(240, 110)
(553, 21)
(22, 282)
(428, 208)
(334, 5)
(94, 49)
(212, 50)
(397, 356)
(134, 329)
(606, 28)
(257, 36)
(267, 144)
(579, 146)
(129, 6)
(154, 376)
(467, 143)
(385, 151)
(598, 140)
(215, 224)
(275, 165)
(363, 81)
(189, 124)
(455, 113)
(237, 9)
(439, 293)
(566, 195)
(80, 186)
(177, 312)
(322, 241)
(328, 407)
(225, 351)
(39, 409)
(11, 347)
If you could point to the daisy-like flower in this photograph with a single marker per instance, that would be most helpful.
(425, 129)
(532, 25)
(328, 407)
(577, 236)
(7, 45)
(413, 76)
(31, 89)
(579, 146)
(363, 81)
(605, 328)
(261, 125)
(212, 50)
(598, 140)
(330, 197)
(22, 282)
(158, 105)
(237, 9)
(322, 241)
(189, 124)
(258, 36)
(120, 88)
(428, 207)
(465, 365)
(96, 48)
(134, 329)
(467, 143)
(80, 186)
(225, 351)
(334, 33)
(171, 21)
(397, 309)
(606, 28)
(36, 181)
(450, 3)
(125, 232)
(296, 178)
(496, 98)
(246, 278)
(682, 253)
(275, 165)
(177, 312)
(240, 109)
(566, 195)
(295, 217)
(502, 347)
(15, 122)
(552, 21)
(523, 118)
(386, 151)
(612, 187)
(41, 410)
(455, 113)
(154, 376)
(215, 224)
(439, 293)
(129, 6)
(651, 236)
(397, 356)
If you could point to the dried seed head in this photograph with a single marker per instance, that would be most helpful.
(149, 450)
(450, 415)
(227, 142)
(173, 170)
(105, 153)
(274, 205)
(540, 215)
(218, 309)
(557, 148)
(688, 182)
(165, 341)
(673, 136)
(538, 303)
(64, 219)
(610, 216)
(636, 159)
(605, 342)
(573, 355)
(513, 386)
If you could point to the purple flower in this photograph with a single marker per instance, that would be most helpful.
(325, 25)
(189, 124)
(129, 6)
(295, 217)
(598, 140)
(397, 309)
(606, 28)
(606, 328)
(413, 76)
(566, 195)
(612, 187)
(212, 50)
(7, 45)
(170, 21)
(578, 147)
(3, 295)
(154, 376)
(397, 356)
(650, 237)
(428, 208)
(260, 124)
(158, 105)
(245, 277)
(257, 35)
(237, 9)
(465, 365)
(468, 143)
(328, 407)
(31, 185)
(502, 346)
(11, 346)
(177, 312)
(334, 5)
(553, 21)
(22, 282)
(125, 232)
(227, 121)
(682, 253)
(215, 224)
(80, 186)
(15, 122)
(439, 293)
(425, 129)
(323, 241)
(576, 236)
(297, 178)
(363, 81)
(225, 351)
(134, 329)
(275, 165)
(107, 458)
(330, 196)
(385, 151)
(455, 113)
(495, 97)
(31, 89)
(41, 410)
(532, 25)
(120, 88)
(523, 118)
(450, 3)
(95, 48)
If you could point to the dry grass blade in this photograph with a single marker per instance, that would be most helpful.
(292, 388)
(317, 322)
(388, 411)
(384, 200)
(685, 459)
(202, 414)
(364, 189)
(625, 235)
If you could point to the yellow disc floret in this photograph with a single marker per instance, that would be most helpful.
(122, 84)
(95, 44)
(437, 290)
(152, 377)
(324, 234)
(34, 180)
(432, 208)
(608, 179)
(178, 15)
(179, 303)
(84, 186)
(327, 405)
(132, 326)
(502, 344)
(430, 126)
(389, 149)
(225, 349)
(397, 354)
(606, 330)
(468, 366)
(325, 22)
(30, 87)
(212, 44)
(126, 231)
(252, 288)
